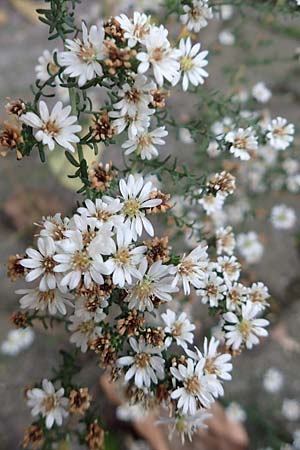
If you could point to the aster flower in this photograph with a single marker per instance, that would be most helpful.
(83, 331)
(179, 328)
(136, 28)
(55, 127)
(146, 366)
(91, 308)
(245, 329)
(48, 402)
(192, 62)
(196, 16)
(212, 203)
(41, 263)
(243, 142)
(104, 210)
(160, 56)
(136, 196)
(283, 217)
(250, 247)
(134, 97)
(54, 226)
(273, 380)
(47, 66)
(145, 142)
(17, 341)
(53, 300)
(136, 124)
(225, 240)
(259, 294)
(229, 267)
(236, 296)
(185, 425)
(83, 56)
(212, 289)
(280, 134)
(191, 268)
(154, 283)
(261, 93)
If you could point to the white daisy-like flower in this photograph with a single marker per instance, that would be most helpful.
(136, 196)
(91, 308)
(226, 37)
(136, 28)
(145, 142)
(283, 217)
(57, 127)
(250, 246)
(191, 268)
(48, 402)
(235, 412)
(146, 366)
(17, 341)
(261, 93)
(212, 289)
(82, 56)
(104, 210)
(212, 203)
(192, 62)
(125, 258)
(291, 409)
(225, 240)
(134, 97)
(273, 380)
(186, 426)
(83, 331)
(195, 388)
(78, 260)
(243, 142)
(221, 128)
(229, 267)
(236, 296)
(54, 226)
(179, 328)
(154, 282)
(160, 56)
(280, 133)
(196, 16)
(46, 66)
(41, 263)
(136, 124)
(245, 329)
(259, 294)
(53, 300)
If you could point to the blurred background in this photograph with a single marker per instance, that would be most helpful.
(265, 393)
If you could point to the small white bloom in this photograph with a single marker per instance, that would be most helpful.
(226, 37)
(136, 124)
(245, 329)
(54, 226)
(180, 328)
(197, 15)
(261, 93)
(55, 127)
(212, 203)
(225, 240)
(192, 62)
(17, 340)
(291, 409)
(47, 66)
(229, 267)
(82, 56)
(242, 142)
(83, 331)
(273, 380)
(185, 425)
(53, 300)
(283, 217)
(104, 210)
(236, 296)
(212, 289)
(250, 247)
(134, 97)
(145, 142)
(91, 308)
(185, 136)
(135, 29)
(49, 403)
(280, 134)
(146, 366)
(258, 294)
(221, 128)
(235, 412)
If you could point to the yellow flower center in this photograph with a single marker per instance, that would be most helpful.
(50, 402)
(142, 360)
(81, 261)
(48, 264)
(192, 385)
(186, 63)
(51, 128)
(131, 207)
(87, 53)
(143, 289)
(245, 328)
(122, 256)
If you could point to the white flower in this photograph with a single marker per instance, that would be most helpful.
(192, 62)
(55, 127)
(261, 93)
(226, 37)
(258, 294)
(136, 124)
(229, 267)
(242, 142)
(179, 328)
(124, 260)
(212, 203)
(273, 380)
(104, 210)
(195, 388)
(17, 340)
(245, 329)
(49, 403)
(135, 29)
(212, 289)
(41, 263)
(136, 197)
(185, 425)
(128, 413)
(54, 226)
(53, 300)
(153, 283)
(220, 128)
(280, 134)
(185, 136)
(191, 268)
(91, 308)
(250, 247)
(291, 409)
(146, 366)
(225, 240)
(83, 56)
(160, 56)
(145, 142)
(213, 149)
(83, 331)
(283, 217)
(235, 412)
(196, 16)
(47, 66)
(226, 12)
(236, 295)
(134, 97)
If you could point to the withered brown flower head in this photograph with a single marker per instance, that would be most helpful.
(102, 128)
(10, 138)
(19, 319)
(15, 108)
(33, 437)
(114, 30)
(95, 436)
(155, 336)
(14, 269)
(165, 204)
(159, 98)
(117, 57)
(101, 176)
(102, 347)
(130, 324)
(95, 292)
(162, 393)
(157, 249)
(222, 182)
(79, 401)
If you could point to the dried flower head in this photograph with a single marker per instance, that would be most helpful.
(117, 57)
(10, 138)
(95, 436)
(102, 128)
(95, 291)
(157, 249)
(102, 346)
(19, 319)
(163, 206)
(114, 30)
(14, 269)
(80, 401)
(101, 176)
(223, 183)
(15, 108)
(159, 97)
(33, 437)
(155, 336)
(130, 324)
